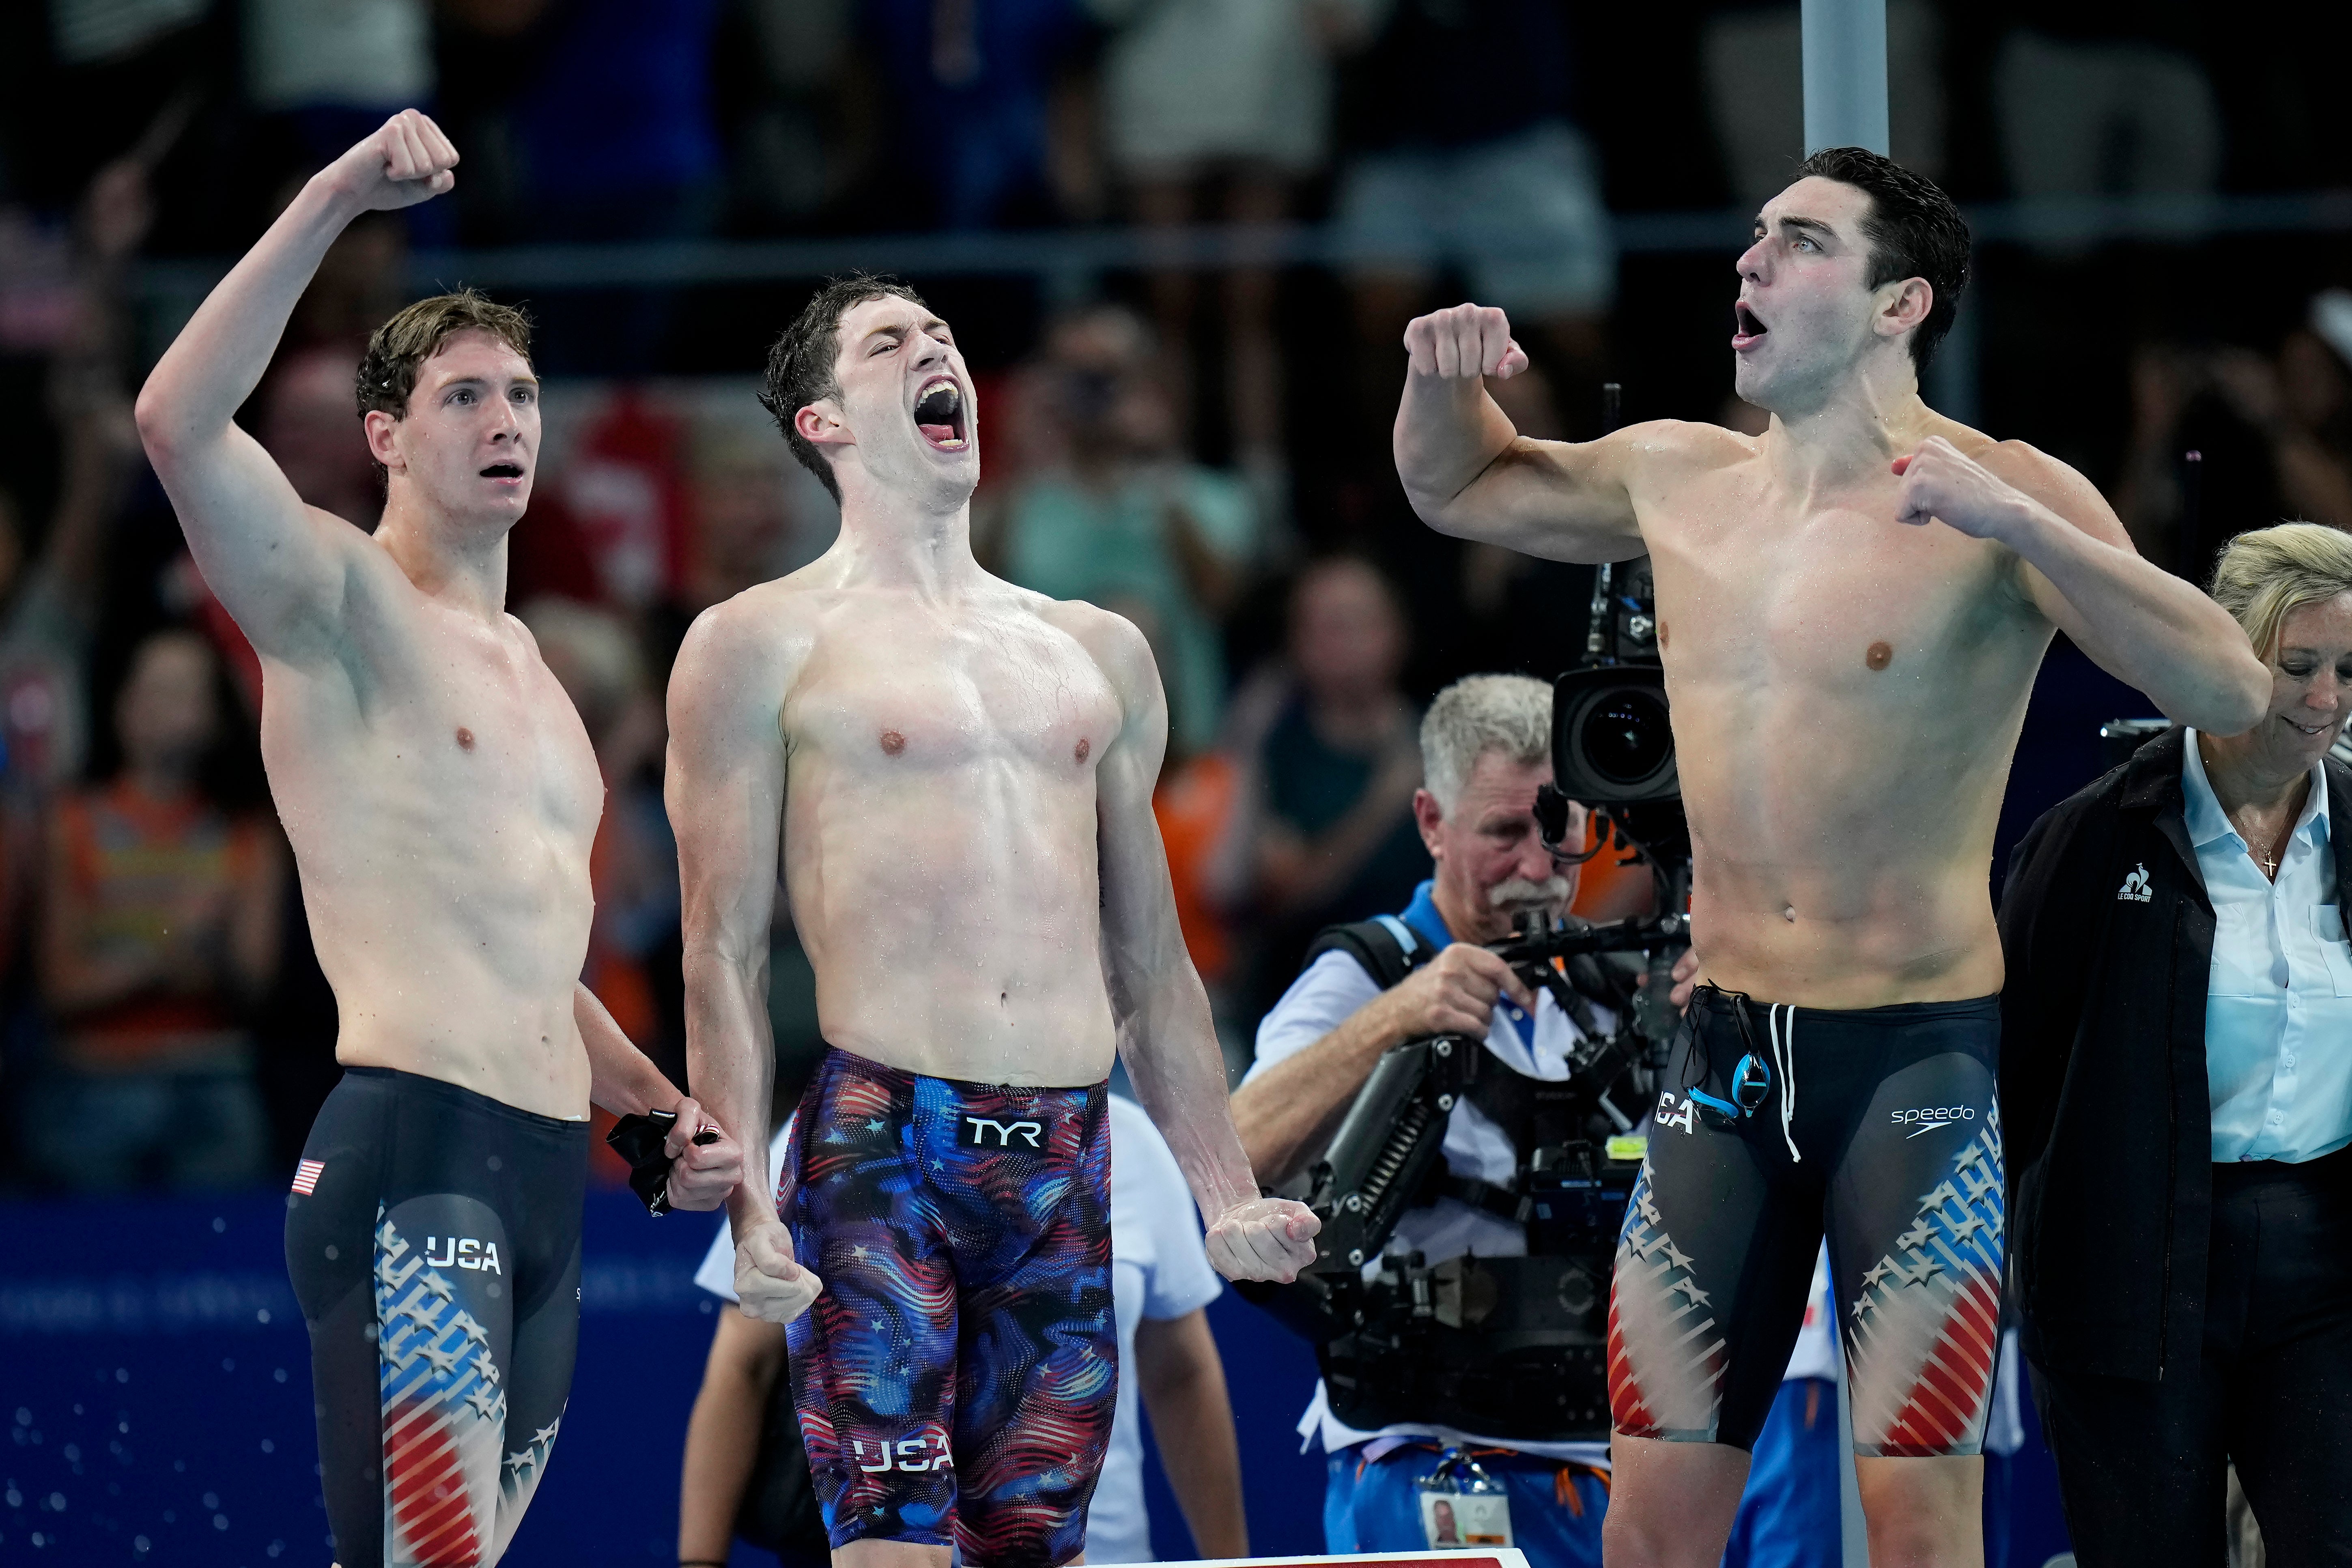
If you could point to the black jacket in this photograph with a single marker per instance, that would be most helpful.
(2108, 935)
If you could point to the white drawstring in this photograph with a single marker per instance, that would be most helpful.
(1788, 1070)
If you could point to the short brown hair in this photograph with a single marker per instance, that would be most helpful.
(416, 334)
(799, 367)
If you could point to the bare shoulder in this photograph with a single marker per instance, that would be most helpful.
(2055, 483)
(1684, 444)
(744, 654)
(1114, 643)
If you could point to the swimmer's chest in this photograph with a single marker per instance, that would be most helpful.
(1841, 600)
(887, 700)
(479, 736)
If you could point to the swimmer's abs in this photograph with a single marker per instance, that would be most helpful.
(940, 1024)
(543, 1070)
(1868, 963)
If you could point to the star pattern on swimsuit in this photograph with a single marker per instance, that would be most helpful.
(1647, 1208)
(1880, 1271)
(1916, 1236)
(859, 1252)
(440, 1361)
(875, 1124)
(1676, 1256)
(482, 1404)
(438, 1285)
(521, 1461)
(1689, 1287)
(1969, 1226)
(464, 1323)
(1925, 1269)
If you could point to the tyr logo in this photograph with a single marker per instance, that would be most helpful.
(463, 1252)
(987, 1132)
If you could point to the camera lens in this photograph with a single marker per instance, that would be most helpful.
(1627, 737)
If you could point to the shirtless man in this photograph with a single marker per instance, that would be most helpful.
(1852, 609)
(958, 774)
(440, 797)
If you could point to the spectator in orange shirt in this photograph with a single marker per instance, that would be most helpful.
(161, 923)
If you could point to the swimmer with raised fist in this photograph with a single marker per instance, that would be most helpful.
(958, 775)
(440, 795)
(1852, 607)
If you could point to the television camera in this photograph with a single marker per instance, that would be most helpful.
(1516, 1347)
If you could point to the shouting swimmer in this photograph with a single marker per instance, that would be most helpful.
(959, 775)
(1852, 608)
(440, 797)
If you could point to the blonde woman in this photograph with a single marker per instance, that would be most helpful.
(2177, 1094)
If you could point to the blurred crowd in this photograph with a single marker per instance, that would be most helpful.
(1204, 452)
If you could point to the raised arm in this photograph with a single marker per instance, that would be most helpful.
(2138, 622)
(277, 564)
(1165, 1033)
(1470, 473)
(725, 787)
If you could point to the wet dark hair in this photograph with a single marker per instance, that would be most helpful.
(416, 334)
(799, 367)
(1914, 230)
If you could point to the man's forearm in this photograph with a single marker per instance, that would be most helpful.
(1184, 1386)
(621, 1079)
(2162, 634)
(217, 360)
(723, 1435)
(1294, 1105)
(731, 1068)
(1447, 433)
(1179, 1073)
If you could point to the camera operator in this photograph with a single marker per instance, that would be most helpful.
(1486, 747)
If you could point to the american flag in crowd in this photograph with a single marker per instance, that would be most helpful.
(306, 1175)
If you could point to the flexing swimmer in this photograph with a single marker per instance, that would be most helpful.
(958, 773)
(1846, 694)
(440, 795)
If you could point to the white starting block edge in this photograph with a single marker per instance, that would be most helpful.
(1454, 1557)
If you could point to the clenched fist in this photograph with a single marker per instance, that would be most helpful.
(771, 1285)
(700, 1174)
(1464, 343)
(405, 161)
(1261, 1239)
(1941, 483)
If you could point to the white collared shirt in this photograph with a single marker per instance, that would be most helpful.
(2278, 1006)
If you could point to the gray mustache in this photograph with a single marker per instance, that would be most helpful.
(1518, 890)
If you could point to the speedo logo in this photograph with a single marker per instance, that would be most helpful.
(987, 1133)
(908, 1453)
(1927, 1118)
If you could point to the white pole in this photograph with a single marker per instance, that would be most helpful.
(1846, 74)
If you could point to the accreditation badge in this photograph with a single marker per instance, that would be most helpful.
(1461, 1505)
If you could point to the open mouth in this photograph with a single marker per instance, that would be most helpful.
(2315, 730)
(1749, 330)
(503, 472)
(940, 415)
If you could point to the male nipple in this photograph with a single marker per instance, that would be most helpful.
(1083, 747)
(1879, 656)
(893, 742)
(465, 738)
